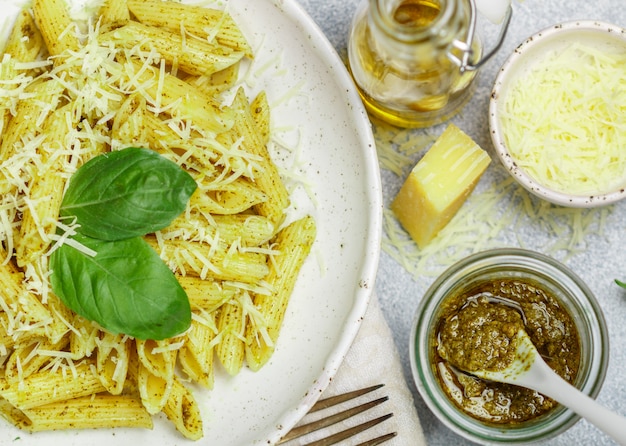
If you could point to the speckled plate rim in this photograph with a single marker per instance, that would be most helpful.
(314, 94)
(513, 67)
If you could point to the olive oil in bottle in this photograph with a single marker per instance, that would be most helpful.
(404, 57)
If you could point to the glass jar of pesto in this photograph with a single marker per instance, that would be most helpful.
(562, 317)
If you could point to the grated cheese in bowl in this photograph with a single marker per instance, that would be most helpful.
(558, 114)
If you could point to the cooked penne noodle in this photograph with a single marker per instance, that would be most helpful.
(129, 126)
(29, 116)
(196, 355)
(266, 176)
(217, 83)
(57, 28)
(159, 357)
(192, 56)
(82, 337)
(154, 390)
(165, 91)
(47, 386)
(14, 415)
(22, 315)
(27, 360)
(112, 358)
(231, 198)
(25, 42)
(113, 14)
(198, 21)
(231, 325)
(200, 259)
(135, 124)
(260, 112)
(294, 243)
(24, 45)
(182, 410)
(244, 229)
(88, 412)
(45, 189)
(206, 295)
(155, 374)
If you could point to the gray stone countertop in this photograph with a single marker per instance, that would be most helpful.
(598, 256)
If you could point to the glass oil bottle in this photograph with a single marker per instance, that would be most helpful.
(415, 61)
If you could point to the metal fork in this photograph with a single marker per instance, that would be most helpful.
(325, 403)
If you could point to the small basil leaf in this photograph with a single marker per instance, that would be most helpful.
(125, 287)
(126, 193)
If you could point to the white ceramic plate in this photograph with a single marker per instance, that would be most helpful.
(316, 109)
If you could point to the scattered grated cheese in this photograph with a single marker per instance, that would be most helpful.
(496, 211)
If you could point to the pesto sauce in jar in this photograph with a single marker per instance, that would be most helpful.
(476, 328)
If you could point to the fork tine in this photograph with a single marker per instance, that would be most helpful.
(379, 440)
(337, 399)
(336, 438)
(330, 420)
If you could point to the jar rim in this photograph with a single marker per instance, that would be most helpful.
(589, 320)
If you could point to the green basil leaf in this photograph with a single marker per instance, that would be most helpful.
(125, 287)
(126, 193)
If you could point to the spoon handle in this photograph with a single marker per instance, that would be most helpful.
(555, 387)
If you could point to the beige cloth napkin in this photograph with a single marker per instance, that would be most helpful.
(373, 359)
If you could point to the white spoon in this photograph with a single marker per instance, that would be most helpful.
(529, 370)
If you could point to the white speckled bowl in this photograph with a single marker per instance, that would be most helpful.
(519, 62)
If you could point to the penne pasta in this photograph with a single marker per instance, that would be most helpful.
(205, 295)
(260, 112)
(216, 25)
(27, 359)
(45, 191)
(229, 198)
(113, 14)
(112, 359)
(165, 92)
(57, 29)
(82, 337)
(294, 243)
(266, 176)
(155, 374)
(24, 45)
(47, 387)
(154, 389)
(95, 411)
(29, 118)
(217, 83)
(164, 76)
(23, 316)
(203, 261)
(182, 410)
(193, 56)
(196, 355)
(14, 415)
(231, 325)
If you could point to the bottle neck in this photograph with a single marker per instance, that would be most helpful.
(410, 22)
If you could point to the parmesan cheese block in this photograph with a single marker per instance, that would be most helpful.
(439, 184)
